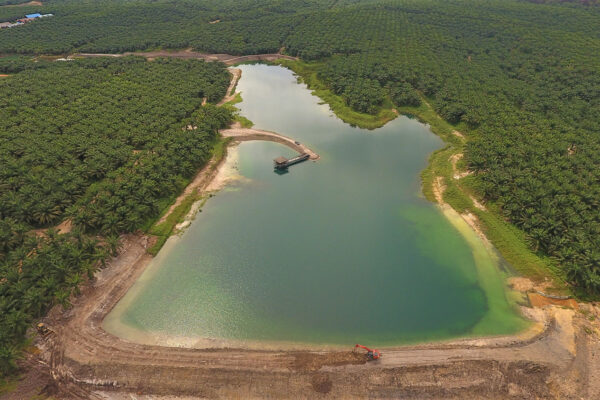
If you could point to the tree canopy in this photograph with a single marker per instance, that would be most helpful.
(102, 142)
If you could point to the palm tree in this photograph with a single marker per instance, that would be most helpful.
(73, 281)
(8, 356)
(62, 297)
(114, 244)
(18, 321)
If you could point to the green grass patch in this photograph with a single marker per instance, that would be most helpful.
(308, 73)
(230, 105)
(155, 248)
(237, 99)
(166, 228)
(426, 114)
(244, 122)
(507, 239)
(163, 205)
(511, 243)
(8, 385)
(220, 150)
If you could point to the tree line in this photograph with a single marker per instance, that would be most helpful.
(101, 142)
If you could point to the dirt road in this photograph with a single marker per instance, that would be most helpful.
(236, 74)
(31, 3)
(245, 134)
(556, 359)
(227, 59)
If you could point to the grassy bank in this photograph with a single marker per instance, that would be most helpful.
(506, 238)
(230, 105)
(308, 74)
(162, 230)
(8, 385)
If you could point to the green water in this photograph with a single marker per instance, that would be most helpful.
(340, 251)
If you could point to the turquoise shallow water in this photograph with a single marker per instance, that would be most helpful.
(338, 251)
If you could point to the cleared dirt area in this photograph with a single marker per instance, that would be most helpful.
(538, 300)
(236, 74)
(556, 358)
(458, 174)
(64, 227)
(31, 3)
(227, 59)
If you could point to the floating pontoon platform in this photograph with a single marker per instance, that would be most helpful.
(283, 163)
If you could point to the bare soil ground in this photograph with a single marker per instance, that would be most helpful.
(537, 300)
(64, 227)
(458, 134)
(31, 3)
(458, 174)
(236, 74)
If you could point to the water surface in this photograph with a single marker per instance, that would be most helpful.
(340, 251)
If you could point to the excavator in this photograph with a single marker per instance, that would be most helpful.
(372, 355)
(44, 330)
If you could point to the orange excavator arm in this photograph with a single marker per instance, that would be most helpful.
(372, 354)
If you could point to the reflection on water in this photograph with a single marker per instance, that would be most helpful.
(279, 171)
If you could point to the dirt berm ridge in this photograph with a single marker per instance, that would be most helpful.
(558, 360)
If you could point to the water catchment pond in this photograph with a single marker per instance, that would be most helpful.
(335, 252)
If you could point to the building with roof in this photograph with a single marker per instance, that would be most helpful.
(33, 16)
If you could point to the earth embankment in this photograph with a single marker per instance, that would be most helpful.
(81, 353)
(246, 134)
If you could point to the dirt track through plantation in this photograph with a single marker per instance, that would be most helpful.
(227, 59)
(83, 354)
(236, 74)
(31, 3)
